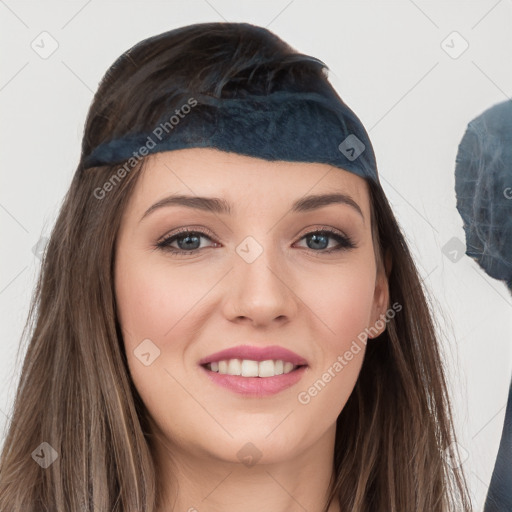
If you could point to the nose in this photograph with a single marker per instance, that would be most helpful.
(260, 292)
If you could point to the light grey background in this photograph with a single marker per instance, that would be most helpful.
(388, 62)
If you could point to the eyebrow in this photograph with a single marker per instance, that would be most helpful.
(221, 206)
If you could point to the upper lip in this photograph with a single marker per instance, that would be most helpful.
(254, 353)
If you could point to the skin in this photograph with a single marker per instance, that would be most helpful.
(294, 295)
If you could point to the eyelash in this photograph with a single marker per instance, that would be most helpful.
(345, 242)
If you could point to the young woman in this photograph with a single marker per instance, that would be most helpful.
(228, 317)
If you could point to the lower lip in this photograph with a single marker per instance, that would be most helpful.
(256, 386)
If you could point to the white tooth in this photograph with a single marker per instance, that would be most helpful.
(266, 368)
(288, 367)
(223, 367)
(249, 368)
(234, 367)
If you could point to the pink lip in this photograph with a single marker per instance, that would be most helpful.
(256, 386)
(273, 352)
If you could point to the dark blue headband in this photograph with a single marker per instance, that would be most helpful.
(283, 125)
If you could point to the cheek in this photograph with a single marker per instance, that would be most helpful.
(152, 300)
(344, 306)
(164, 305)
(154, 306)
(343, 301)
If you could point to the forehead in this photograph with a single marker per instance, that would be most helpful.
(242, 180)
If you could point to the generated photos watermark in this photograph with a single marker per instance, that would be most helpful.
(157, 135)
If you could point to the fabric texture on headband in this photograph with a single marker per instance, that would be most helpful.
(282, 125)
(483, 184)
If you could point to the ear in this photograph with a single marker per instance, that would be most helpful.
(381, 296)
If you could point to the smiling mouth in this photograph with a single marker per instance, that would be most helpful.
(251, 368)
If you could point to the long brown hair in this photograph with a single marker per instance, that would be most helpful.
(395, 434)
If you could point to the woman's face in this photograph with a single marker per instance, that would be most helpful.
(258, 275)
